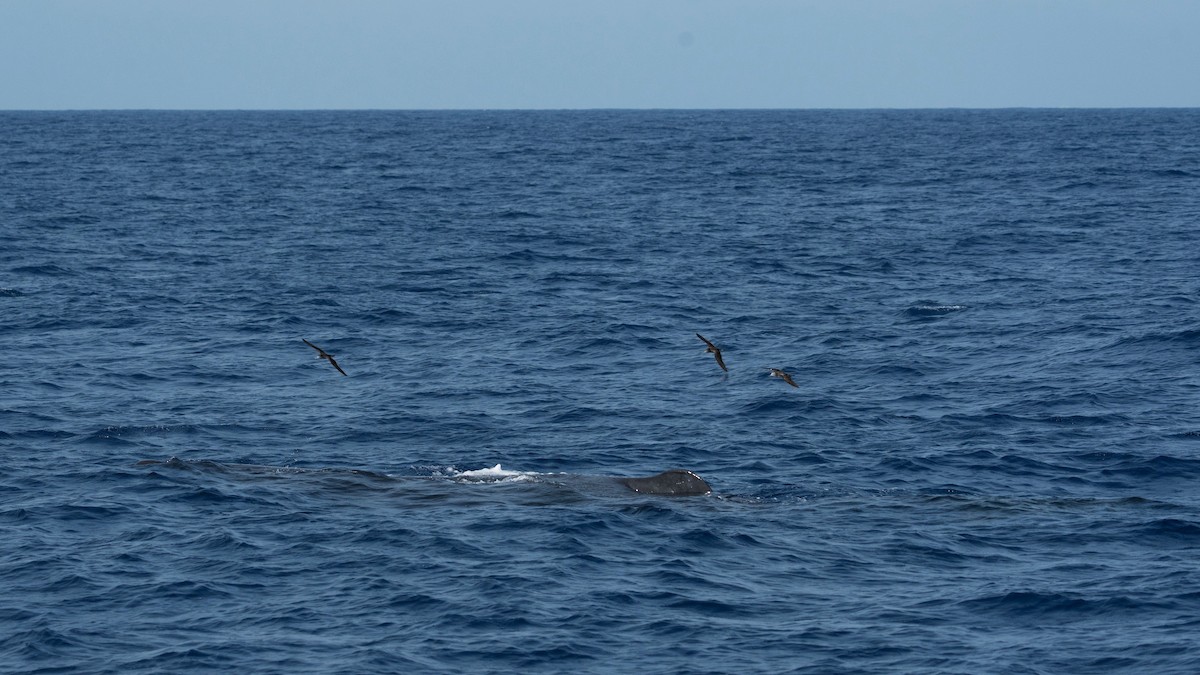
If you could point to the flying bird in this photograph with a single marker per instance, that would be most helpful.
(775, 372)
(714, 351)
(325, 355)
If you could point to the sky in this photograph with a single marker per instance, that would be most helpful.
(522, 54)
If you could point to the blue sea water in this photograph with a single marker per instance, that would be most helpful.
(990, 464)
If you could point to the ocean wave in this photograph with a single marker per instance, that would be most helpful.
(1175, 531)
(1173, 173)
(932, 310)
(121, 433)
(1157, 467)
(1040, 605)
(44, 270)
(1184, 336)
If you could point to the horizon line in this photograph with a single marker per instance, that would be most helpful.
(611, 109)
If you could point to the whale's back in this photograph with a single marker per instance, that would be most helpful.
(676, 482)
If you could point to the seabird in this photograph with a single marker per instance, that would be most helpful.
(775, 372)
(715, 352)
(325, 355)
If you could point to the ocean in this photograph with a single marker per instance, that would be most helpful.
(989, 463)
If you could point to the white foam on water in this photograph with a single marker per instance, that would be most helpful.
(495, 473)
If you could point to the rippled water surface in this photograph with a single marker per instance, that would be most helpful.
(990, 462)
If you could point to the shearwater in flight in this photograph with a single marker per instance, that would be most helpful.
(715, 352)
(775, 372)
(325, 355)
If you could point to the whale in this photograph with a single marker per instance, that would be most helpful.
(670, 483)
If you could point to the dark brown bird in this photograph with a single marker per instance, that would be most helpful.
(714, 351)
(775, 372)
(325, 355)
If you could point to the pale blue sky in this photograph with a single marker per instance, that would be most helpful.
(204, 54)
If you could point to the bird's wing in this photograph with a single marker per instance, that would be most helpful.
(313, 346)
(788, 378)
(339, 368)
(706, 341)
(720, 361)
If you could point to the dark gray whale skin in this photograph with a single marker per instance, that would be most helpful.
(673, 483)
